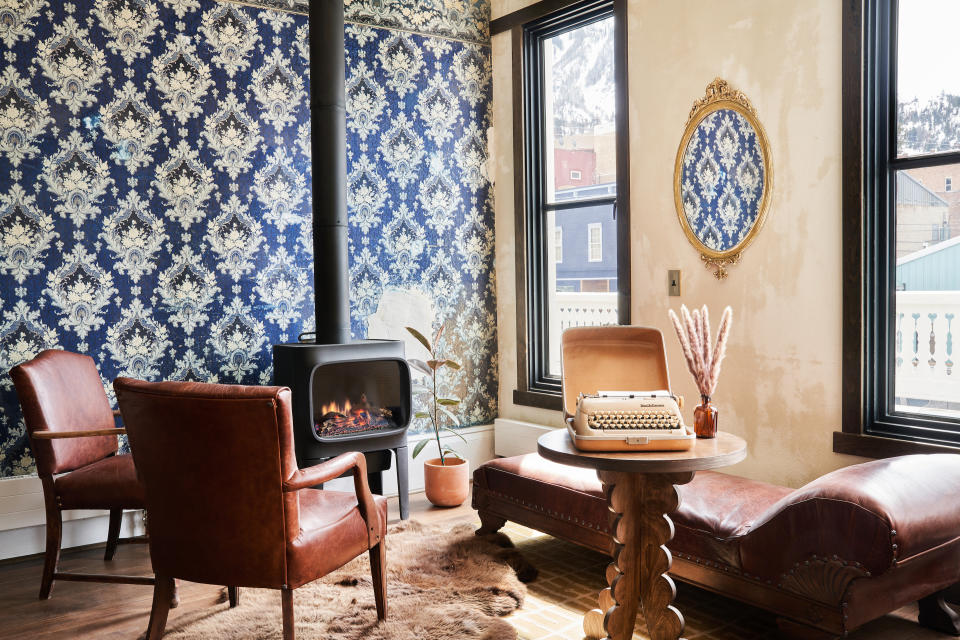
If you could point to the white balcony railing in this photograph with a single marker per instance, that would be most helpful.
(578, 310)
(926, 351)
(927, 375)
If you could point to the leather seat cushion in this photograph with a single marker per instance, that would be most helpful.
(715, 509)
(556, 489)
(110, 483)
(332, 532)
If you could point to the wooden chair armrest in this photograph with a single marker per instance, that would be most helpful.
(334, 468)
(56, 435)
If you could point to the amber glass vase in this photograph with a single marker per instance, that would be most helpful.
(705, 419)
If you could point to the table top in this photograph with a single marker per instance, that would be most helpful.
(724, 450)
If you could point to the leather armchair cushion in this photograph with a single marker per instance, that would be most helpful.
(110, 483)
(332, 532)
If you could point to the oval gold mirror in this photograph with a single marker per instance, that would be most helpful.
(723, 177)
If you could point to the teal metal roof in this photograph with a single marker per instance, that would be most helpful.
(936, 268)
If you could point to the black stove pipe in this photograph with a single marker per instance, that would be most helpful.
(328, 130)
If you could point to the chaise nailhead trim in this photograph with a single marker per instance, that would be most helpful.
(550, 512)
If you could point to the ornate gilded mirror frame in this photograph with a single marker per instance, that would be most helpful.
(699, 176)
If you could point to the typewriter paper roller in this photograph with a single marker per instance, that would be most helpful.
(618, 357)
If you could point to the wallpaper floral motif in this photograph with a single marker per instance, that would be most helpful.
(155, 185)
(723, 177)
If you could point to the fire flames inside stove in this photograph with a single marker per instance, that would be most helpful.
(338, 419)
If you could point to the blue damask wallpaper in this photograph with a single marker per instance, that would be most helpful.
(155, 185)
(723, 177)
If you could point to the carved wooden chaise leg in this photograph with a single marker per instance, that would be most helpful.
(936, 614)
(490, 523)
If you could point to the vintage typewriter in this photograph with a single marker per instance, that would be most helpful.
(645, 419)
(638, 420)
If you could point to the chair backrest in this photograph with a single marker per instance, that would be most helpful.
(213, 458)
(61, 391)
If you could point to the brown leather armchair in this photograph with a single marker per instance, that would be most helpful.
(228, 504)
(72, 432)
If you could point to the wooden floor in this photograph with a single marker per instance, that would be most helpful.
(105, 611)
(79, 610)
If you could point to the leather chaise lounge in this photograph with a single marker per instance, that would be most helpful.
(827, 558)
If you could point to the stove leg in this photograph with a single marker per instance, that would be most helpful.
(403, 485)
(375, 480)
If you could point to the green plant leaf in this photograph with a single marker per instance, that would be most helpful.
(421, 414)
(436, 337)
(421, 366)
(419, 336)
(451, 364)
(450, 402)
(435, 364)
(456, 433)
(452, 417)
(420, 445)
(449, 451)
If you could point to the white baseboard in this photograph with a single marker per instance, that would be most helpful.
(23, 516)
(514, 438)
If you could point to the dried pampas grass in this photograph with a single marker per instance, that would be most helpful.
(703, 359)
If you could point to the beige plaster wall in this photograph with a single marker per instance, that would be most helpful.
(780, 387)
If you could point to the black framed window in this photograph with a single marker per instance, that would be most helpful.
(574, 208)
(910, 261)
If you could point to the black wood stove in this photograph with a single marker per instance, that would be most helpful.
(347, 395)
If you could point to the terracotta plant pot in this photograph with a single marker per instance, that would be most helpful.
(447, 485)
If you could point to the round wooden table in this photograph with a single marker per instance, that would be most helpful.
(641, 489)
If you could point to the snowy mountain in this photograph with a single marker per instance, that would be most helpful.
(929, 127)
(583, 89)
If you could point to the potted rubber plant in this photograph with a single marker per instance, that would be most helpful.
(447, 479)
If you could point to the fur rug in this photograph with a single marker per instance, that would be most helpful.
(441, 585)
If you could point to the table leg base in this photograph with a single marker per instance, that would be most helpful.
(638, 505)
(593, 625)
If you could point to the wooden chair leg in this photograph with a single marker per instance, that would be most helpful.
(286, 598)
(378, 571)
(113, 534)
(52, 557)
(175, 597)
(936, 614)
(233, 593)
(163, 593)
(490, 523)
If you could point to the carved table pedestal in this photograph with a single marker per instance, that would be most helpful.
(641, 489)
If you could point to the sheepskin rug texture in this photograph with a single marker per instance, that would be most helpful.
(442, 584)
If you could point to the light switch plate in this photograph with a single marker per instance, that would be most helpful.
(673, 282)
